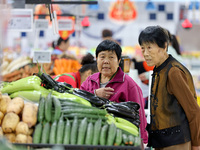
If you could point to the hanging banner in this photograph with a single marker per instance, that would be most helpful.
(123, 11)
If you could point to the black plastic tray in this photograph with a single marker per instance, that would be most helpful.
(81, 147)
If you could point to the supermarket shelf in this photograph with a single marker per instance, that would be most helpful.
(80, 147)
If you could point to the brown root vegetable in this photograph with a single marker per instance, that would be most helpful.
(1, 117)
(22, 128)
(21, 138)
(15, 105)
(1, 131)
(29, 114)
(10, 122)
(29, 139)
(10, 137)
(30, 131)
(4, 103)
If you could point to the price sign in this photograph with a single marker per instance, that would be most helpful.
(65, 25)
(21, 20)
(41, 56)
(41, 24)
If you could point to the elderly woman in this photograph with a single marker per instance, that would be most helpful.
(112, 83)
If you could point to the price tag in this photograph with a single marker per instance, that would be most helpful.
(41, 56)
(41, 24)
(21, 20)
(65, 25)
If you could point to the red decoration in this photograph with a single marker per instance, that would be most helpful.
(85, 22)
(123, 10)
(186, 24)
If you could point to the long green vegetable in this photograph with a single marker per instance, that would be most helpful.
(28, 83)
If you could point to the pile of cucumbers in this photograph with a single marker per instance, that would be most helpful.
(82, 132)
(62, 121)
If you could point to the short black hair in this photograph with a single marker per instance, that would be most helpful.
(109, 45)
(88, 63)
(107, 33)
(154, 34)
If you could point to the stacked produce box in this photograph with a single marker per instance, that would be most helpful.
(64, 115)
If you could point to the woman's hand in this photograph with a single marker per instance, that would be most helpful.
(105, 92)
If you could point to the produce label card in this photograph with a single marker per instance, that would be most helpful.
(42, 56)
(41, 24)
(65, 25)
(21, 20)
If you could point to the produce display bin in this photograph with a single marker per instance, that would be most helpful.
(80, 147)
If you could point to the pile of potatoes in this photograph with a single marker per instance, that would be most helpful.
(17, 119)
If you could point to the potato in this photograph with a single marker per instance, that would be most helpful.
(30, 131)
(29, 114)
(10, 122)
(1, 131)
(1, 117)
(21, 138)
(22, 128)
(29, 139)
(15, 105)
(10, 137)
(4, 103)
(0, 97)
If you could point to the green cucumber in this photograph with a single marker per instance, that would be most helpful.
(37, 134)
(91, 110)
(137, 141)
(52, 138)
(45, 133)
(89, 134)
(97, 130)
(82, 131)
(82, 115)
(41, 109)
(125, 138)
(60, 131)
(67, 132)
(131, 139)
(48, 107)
(103, 135)
(118, 138)
(111, 134)
(74, 131)
(57, 107)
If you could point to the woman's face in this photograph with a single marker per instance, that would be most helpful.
(107, 63)
(153, 54)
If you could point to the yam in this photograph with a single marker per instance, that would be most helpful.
(22, 128)
(10, 122)
(4, 103)
(10, 137)
(21, 138)
(29, 139)
(16, 105)
(30, 131)
(29, 114)
(1, 117)
(1, 132)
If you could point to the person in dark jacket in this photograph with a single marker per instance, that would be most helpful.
(174, 122)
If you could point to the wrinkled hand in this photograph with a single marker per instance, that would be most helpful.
(105, 92)
(195, 147)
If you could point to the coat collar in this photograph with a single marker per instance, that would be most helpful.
(159, 68)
